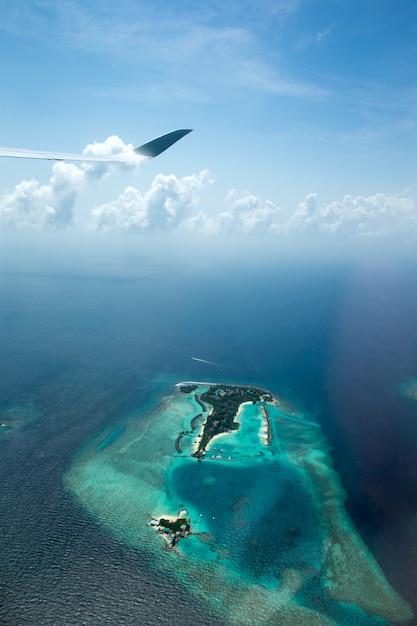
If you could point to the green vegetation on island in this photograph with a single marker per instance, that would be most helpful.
(180, 524)
(188, 388)
(226, 400)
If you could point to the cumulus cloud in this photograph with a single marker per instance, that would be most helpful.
(167, 205)
(245, 214)
(173, 204)
(31, 205)
(112, 145)
(373, 216)
(376, 216)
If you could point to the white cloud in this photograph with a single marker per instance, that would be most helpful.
(245, 214)
(173, 204)
(375, 216)
(31, 205)
(167, 205)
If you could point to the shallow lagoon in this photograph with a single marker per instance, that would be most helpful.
(271, 541)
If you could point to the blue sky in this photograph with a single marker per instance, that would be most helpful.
(304, 115)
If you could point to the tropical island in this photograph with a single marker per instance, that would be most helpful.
(225, 401)
(172, 528)
(265, 537)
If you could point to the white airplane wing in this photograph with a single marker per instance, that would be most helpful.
(142, 153)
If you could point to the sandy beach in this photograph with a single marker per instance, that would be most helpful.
(264, 428)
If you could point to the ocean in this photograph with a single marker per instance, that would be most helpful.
(82, 350)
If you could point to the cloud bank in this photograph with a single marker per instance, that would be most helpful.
(168, 204)
(32, 205)
(173, 204)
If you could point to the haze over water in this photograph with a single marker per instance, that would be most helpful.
(85, 346)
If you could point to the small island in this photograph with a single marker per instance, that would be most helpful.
(225, 401)
(172, 528)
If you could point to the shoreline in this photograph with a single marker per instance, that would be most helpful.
(264, 432)
(219, 384)
(141, 473)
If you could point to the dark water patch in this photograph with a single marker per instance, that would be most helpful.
(261, 516)
(372, 427)
(111, 437)
(64, 569)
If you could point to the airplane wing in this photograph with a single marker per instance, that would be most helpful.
(142, 153)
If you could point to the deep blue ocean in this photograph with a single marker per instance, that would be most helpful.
(81, 349)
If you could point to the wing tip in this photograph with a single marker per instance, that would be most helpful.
(160, 144)
(147, 151)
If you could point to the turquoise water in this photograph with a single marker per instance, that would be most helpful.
(257, 507)
(259, 548)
